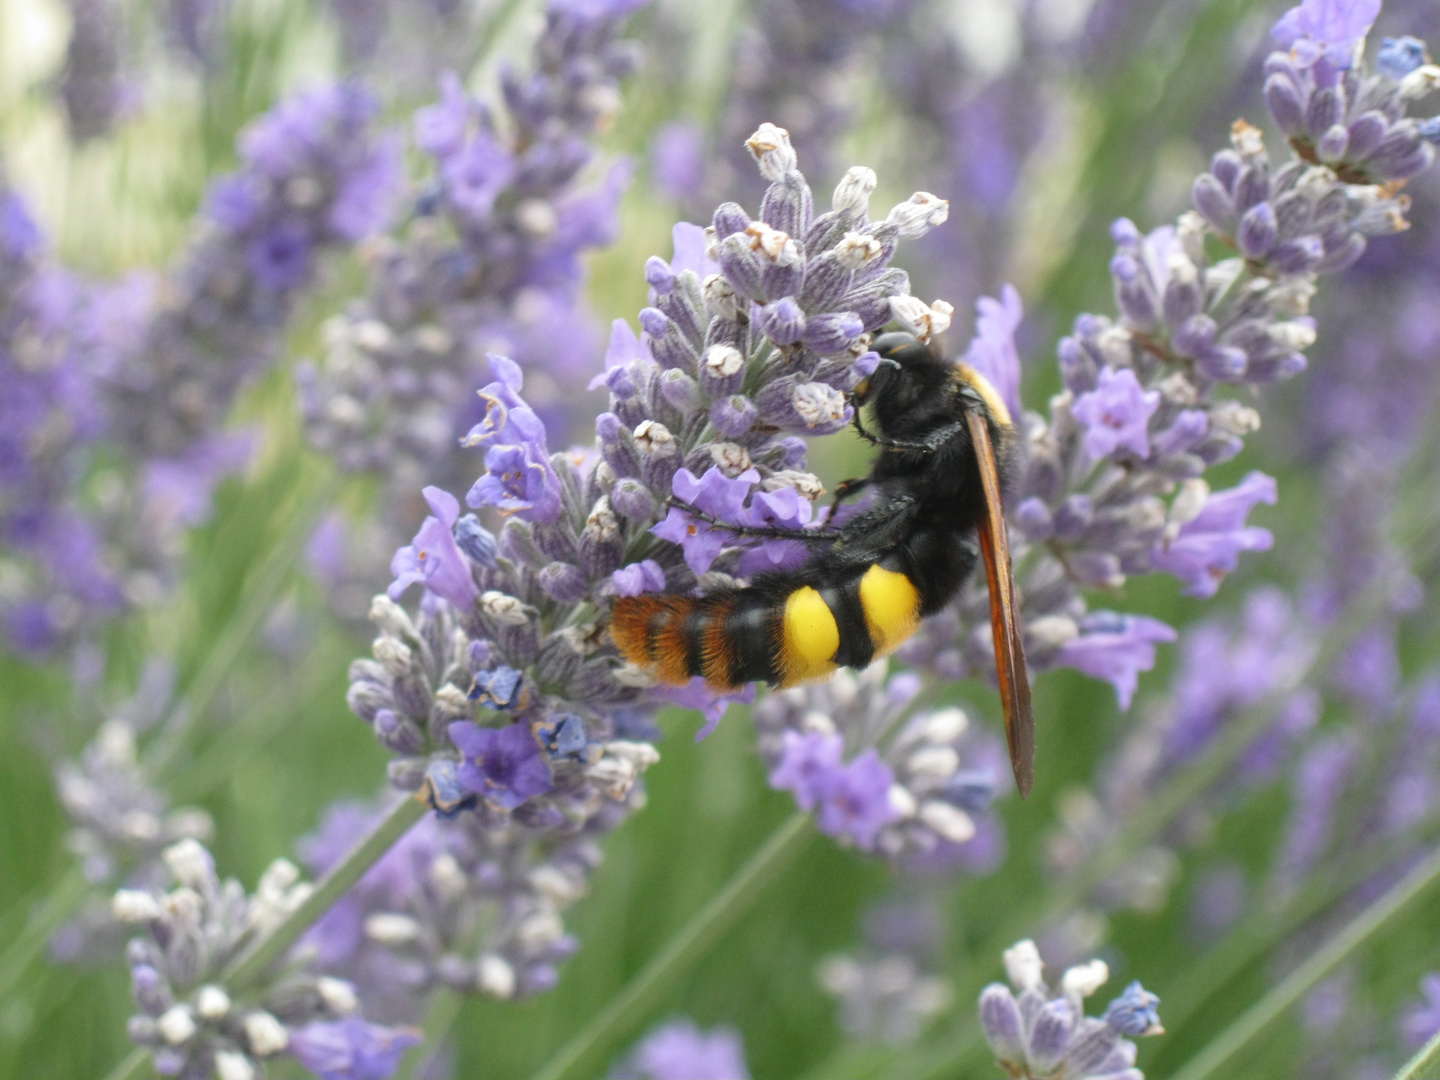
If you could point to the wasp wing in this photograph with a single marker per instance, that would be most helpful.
(1009, 644)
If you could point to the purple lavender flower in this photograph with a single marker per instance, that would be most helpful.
(854, 800)
(1116, 414)
(434, 559)
(1326, 29)
(1115, 648)
(1208, 546)
(1422, 1020)
(351, 1049)
(807, 764)
(504, 766)
(193, 1024)
(679, 1050)
(1036, 1032)
(716, 494)
(992, 351)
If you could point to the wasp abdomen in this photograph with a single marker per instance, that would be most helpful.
(784, 630)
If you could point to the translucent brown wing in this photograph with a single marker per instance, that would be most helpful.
(1009, 643)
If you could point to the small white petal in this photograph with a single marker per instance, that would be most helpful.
(338, 995)
(390, 928)
(233, 1065)
(1023, 965)
(771, 149)
(949, 821)
(265, 1034)
(135, 905)
(177, 1025)
(496, 977)
(945, 725)
(852, 194)
(212, 1002)
(1082, 980)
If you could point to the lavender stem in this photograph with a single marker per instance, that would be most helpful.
(1424, 1062)
(366, 853)
(628, 1007)
(1309, 974)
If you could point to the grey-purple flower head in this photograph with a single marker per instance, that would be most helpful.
(1037, 1032)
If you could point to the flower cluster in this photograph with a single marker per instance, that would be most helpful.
(490, 261)
(1038, 1033)
(1114, 482)
(679, 1050)
(904, 792)
(154, 367)
(56, 572)
(195, 1026)
(460, 902)
(885, 991)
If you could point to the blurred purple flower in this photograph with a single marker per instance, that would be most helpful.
(992, 352)
(351, 1049)
(1326, 28)
(1115, 648)
(807, 763)
(677, 159)
(679, 1050)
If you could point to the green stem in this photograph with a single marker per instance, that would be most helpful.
(130, 1066)
(1308, 975)
(255, 960)
(440, 1017)
(1425, 1064)
(627, 1009)
(62, 902)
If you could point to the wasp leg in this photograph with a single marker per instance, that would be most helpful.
(808, 536)
(844, 490)
(932, 442)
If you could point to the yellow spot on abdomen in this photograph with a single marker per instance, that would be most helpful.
(892, 607)
(811, 637)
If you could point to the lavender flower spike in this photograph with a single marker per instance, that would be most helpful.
(679, 1050)
(193, 1025)
(1042, 1034)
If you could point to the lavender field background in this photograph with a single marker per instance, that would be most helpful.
(269, 567)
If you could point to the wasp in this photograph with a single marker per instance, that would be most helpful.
(946, 442)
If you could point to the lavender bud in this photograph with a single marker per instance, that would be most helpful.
(721, 300)
(1223, 363)
(631, 499)
(1333, 145)
(1325, 109)
(1195, 335)
(1050, 1036)
(659, 275)
(787, 205)
(741, 266)
(1214, 204)
(771, 149)
(1299, 256)
(783, 322)
(563, 582)
(475, 540)
(734, 415)
(681, 390)
(1133, 293)
(833, 332)
(1073, 517)
(729, 219)
(1258, 231)
(1035, 520)
(1366, 132)
(722, 370)
(1183, 295)
(852, 194)
(918, 215)
(1282, 98)
(1004, 1029)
